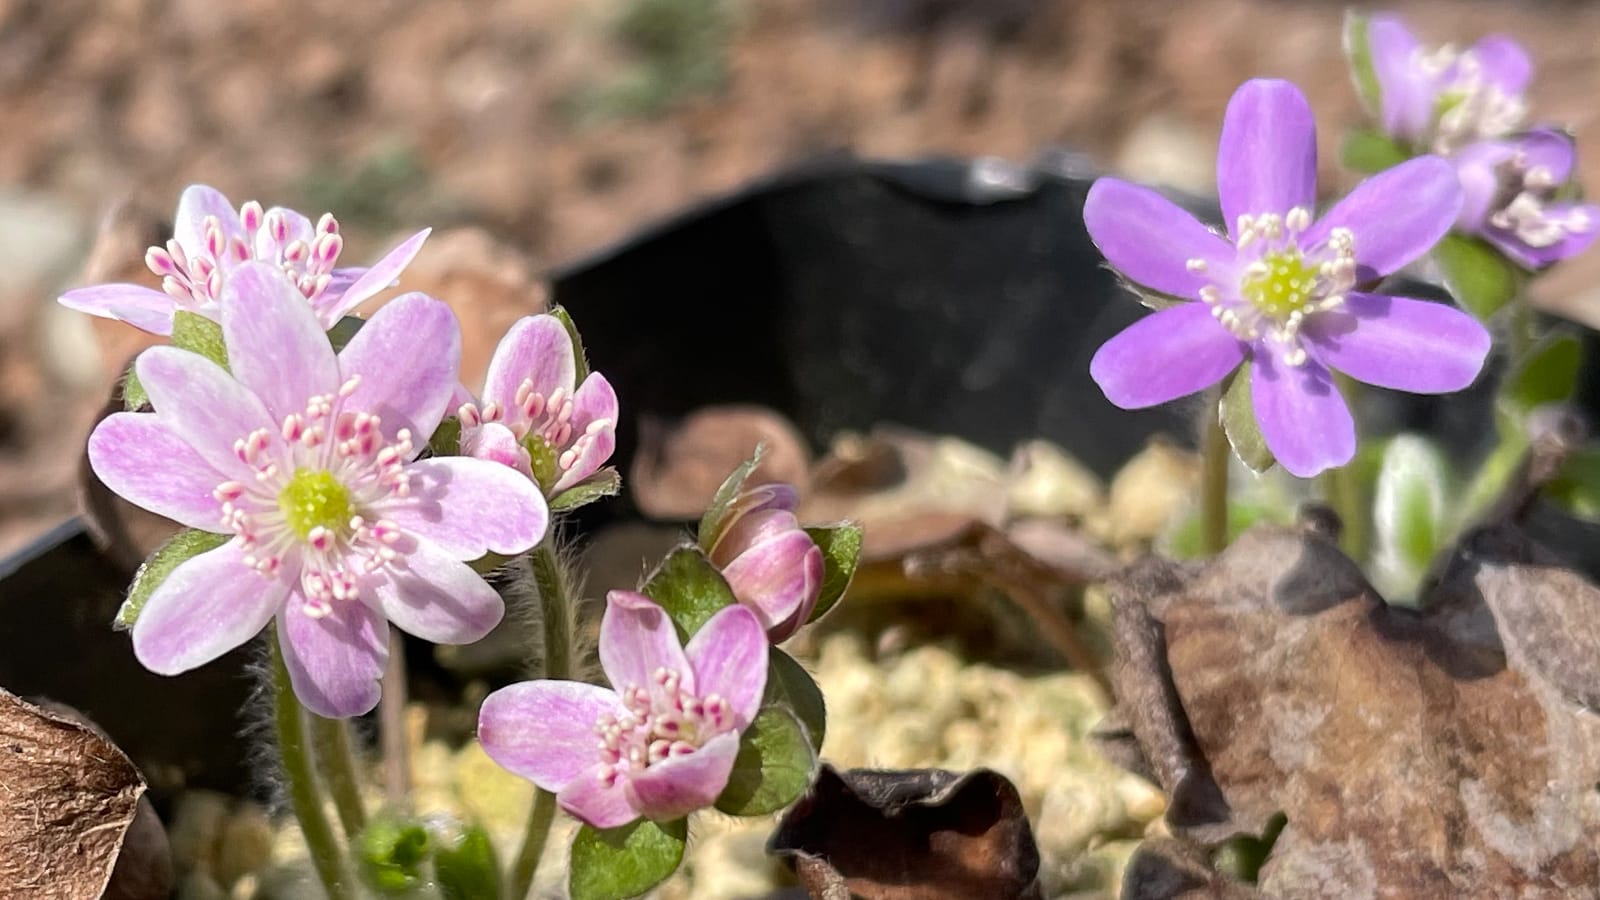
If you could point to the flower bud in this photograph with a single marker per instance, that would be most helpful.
(772, 565)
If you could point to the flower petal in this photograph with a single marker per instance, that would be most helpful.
(544, 730)
(1395, 216)
(636, 638)
(1267, 160)
(1503, 63)
(591, 801)
(729, 658)
(594, 410)
(1305, 422)
(141, 307)
(536, 349)
(1406, 98)
(334, 661)
(429, 593)
(772, 577)
(1477, 168)
(1548, 149)
(276, 346)
(469, 507)
(407, 356)
(679, 785)
(195, 204)
(1150, 239)
(1573, 243)
(379, 277)
(1164, 356)
(138, 457)
(296, 226)
(204, 406)
(814, 568)
(494, 442)
(206, 607)
(1400, 343)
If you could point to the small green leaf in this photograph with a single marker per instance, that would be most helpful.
(446, 439)
(466, 867)
(841, 552)
(1577, 488)
(711, 524)
(790, 685)
(390, 855)
(1186, 543)
(1475, 273)
(1358, 50)
(617, 863)
(689, 588)
(133, 396)
(579, 357)
(198, 334)
(1547, 374)
(1239, 422)
(179, 549)
(602, 484)
(773, 767)
(343, 330)
(1409, 513)
(1370, 151)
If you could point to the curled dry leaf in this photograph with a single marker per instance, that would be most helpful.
(1452, 752)
(914, 834)
(680, 466)
(68, 798)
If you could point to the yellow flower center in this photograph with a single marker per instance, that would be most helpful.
(315, 499)
(1284, 288)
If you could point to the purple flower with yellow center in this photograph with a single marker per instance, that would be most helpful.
(661, 741)
(211, 239)
(1512, 189)
(769, 561)
(533, 415)
(1281, 290)
(307, 460)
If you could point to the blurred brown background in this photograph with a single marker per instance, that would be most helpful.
(532, 132)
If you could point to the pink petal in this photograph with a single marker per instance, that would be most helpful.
(544, 730)
(469, 507)
(431, 594)
(204, 406)
(1267, 159)
(590, 800)
(494, 442)
(679, 785)
(594, 402)
(1305, 422)
(814, 569)
(772, 578)
(138, 457)
(379, 277)
(196, 203)
(1165, 355)
(729, 658)
(1400, 343)
(536, 348)
(406, 356)
(335, 661)
(636, 638)
(206, 607)
(276, 346)
(141, 307)
(1150, 239)
(300, 229)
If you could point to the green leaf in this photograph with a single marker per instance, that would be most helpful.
(133, 396)
(1369, 151)
(1358, 50)
(1239, 422)
(579, 357)
(1409, 513)
(790, 685)
(1480, 279)
(467, 868)
(446, 439)
(774, 765)
(711, 524)
(841, 552)
(625, 862)
(1186, 543)
(1547, 374)
(343, 330)
(198, 334)
(689, 588)
(390, 855)
(179, 549)
(1577, 488)
(602, 484)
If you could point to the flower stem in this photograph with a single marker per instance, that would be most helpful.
(1214, 458)
(555, 614)
(1342, 490)
(331, 738)
(295, 752)
(392, 723)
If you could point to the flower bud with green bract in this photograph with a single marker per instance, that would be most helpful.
(770, 563)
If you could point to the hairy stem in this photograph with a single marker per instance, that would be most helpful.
(295, 752)
(1214, 458)
(392, 723)
(331, 737)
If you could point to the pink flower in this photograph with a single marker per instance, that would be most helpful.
(772, 565)
(660, 743)
(533, 416)
(309, 460)
(211, 240)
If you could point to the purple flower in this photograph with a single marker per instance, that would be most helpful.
(1510, 188)
(308, 459)
(772, 565)
(1443, 99)
(1282, 293)
(661, 741)
(531, 418)
(211, 240)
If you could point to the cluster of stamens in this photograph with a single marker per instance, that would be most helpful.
(1521, 207)
(307, 495)
(662, 720)
(549, 419)
(1270, 298)
(194, 277)
(1470, 107)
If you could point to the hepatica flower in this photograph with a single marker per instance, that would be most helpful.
(1513, 197)
(534, 417)
(1282, 289)
(660, 742)
(211, 239)
(769, 561)
(307, 460)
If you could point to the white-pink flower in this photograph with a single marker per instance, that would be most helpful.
(307, 459)
(211, 239)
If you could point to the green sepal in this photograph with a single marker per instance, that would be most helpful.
(774, 765)
(446, 439)
(605, 483)
(179, 549)
(580, 359)
(390, 855)
(689, 588)
(466, 867)
(1238, 415)
(1477, 275)
(1548, 373)
(616, 863)
(343, 330)
(1358, 50)
(198, 334)
(714, 521)
(543, 460)
(791, 686)
(1369, 152)
(134, 397)
(841, 553)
